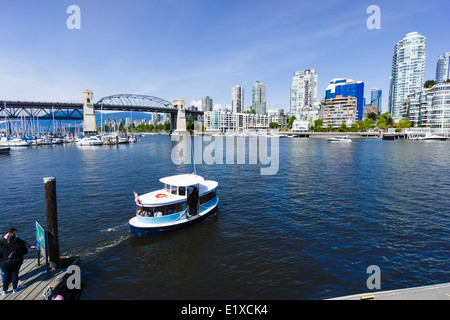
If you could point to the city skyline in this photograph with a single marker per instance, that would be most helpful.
(164, 49)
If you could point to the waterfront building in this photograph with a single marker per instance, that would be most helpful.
(237, 99)
(443, 68)
(300, 126)
(375, 98)
(415, 107)
(226, 121)
(347, 88)
(408, 70)
(340, 110)
(370, 109)
(303, 91)
(207, 104)
(429, 107)
(259, 98)
(438, 116)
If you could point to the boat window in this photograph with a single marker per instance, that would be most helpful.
(182, 191)
(144, 211)
(181, 206)
(207, 197)
(171, 209)
(174, 190)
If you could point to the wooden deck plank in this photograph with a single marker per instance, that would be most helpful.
(34, 281)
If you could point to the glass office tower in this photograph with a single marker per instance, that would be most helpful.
(375, 98)
(443, 68)
(259, 98)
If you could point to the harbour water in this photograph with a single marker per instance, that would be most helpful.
(308, 232)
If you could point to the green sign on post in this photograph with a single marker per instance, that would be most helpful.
(41, 239)
(40, 234)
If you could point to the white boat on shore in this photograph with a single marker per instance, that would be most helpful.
(430, 136)
(91, 141)
(343, 139)
(185, 199)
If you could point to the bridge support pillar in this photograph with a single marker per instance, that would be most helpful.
(89, 125)
(180, 124)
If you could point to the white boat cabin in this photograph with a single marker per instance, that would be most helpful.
(179, 192)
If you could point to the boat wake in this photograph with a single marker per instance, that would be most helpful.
(116, 228)
(113, 237)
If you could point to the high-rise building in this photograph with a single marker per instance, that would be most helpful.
(408, 70)
(375, 98)
(259, 98)
(237, 99)
(443, 68)
(347, 88)
(303, 91)
(207, 104)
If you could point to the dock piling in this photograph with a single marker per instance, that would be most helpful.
(52, 222)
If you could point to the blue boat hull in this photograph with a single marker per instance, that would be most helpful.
(149, 231)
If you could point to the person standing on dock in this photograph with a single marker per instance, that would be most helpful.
(11, 258)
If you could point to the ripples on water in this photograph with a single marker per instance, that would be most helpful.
(308, 232)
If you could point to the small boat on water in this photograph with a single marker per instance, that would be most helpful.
(4, 150)
(91, 141)
(339, 139)
(430, 136)
(185, 199)
(14, 142)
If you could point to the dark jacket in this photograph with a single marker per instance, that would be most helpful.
(13, 252)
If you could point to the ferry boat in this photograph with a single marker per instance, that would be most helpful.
(185, 199)
(339, 139)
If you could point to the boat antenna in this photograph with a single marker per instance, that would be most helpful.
(192, 152)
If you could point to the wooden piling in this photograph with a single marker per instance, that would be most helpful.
(52, 222)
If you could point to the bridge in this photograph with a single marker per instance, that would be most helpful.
(86, 110)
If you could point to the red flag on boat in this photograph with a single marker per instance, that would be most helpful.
(136, 198)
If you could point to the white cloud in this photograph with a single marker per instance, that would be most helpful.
(196, 103)
(217, 107)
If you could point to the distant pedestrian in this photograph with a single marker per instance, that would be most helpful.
(11, 258)
(4, 241)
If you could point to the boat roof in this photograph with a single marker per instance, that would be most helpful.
(182, 180)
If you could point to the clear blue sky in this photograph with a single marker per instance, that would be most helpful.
(194, 48)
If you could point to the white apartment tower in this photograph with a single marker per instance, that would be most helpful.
(237, 99)
(303, 91)
(408, 70)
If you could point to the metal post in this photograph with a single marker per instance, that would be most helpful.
(52, 222)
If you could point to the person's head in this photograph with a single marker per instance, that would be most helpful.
(11, 237)
(10, 231)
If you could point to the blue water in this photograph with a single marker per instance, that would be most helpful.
(308, 232)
